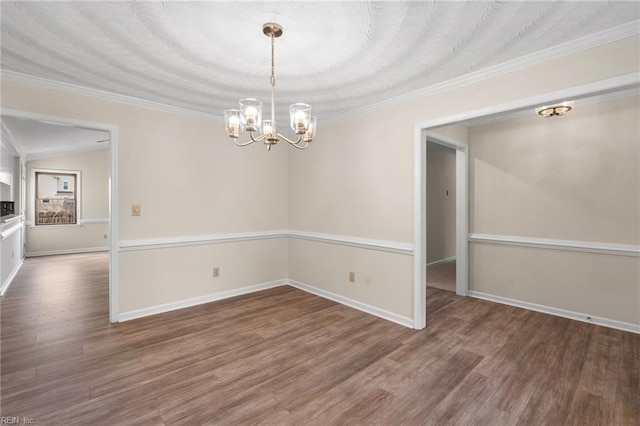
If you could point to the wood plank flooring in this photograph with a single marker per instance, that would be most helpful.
(285, 357)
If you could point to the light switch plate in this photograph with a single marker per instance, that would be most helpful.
(135, 210)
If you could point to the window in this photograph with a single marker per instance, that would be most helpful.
(56, 201)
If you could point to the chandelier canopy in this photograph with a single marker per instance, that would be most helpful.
(249, 116)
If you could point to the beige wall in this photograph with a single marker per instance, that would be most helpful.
(441, 202)
(94, 204)
(356, 180)
(575, 177)
(190, 180)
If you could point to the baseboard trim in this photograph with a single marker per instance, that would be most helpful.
(369, 309)
(187, 303)
(549, 243)
(605, 322)
(66, 251)
(9, 280)
(445, 260)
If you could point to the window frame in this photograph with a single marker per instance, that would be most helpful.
(33, 198)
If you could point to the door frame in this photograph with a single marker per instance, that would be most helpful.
(113, 191)
(420, 130)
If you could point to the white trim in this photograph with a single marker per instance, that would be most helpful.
(113, 226)
(9, 280)
(419, 218)
(462, 222)
(94, 221)
(419, 229)
(10, 231)
(192, 240)
(619, 325)
(554, 244)
(106, 96)
(365, 243)
(438, 262)
(558, 51)
(595, 88)
(65, 251)
(65, 151)
(167, 307)
(369, 309)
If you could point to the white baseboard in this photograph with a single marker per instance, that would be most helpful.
(445, 260)
(66, 251)
(605, 322)
(9, 280)
(381, 313)
(159, 309)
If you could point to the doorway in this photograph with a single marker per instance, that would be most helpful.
(430, 128)
(91, 138)
(441, 216)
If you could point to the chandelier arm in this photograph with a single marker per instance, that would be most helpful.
(235, 141)
(289, 140)
(295, 145)
(258, 139)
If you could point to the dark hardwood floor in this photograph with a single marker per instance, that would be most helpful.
(285, 357)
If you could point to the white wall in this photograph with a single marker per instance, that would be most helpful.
(190, 180)
(441, 202)
(575, 178)
(356, 180)
(94, 206)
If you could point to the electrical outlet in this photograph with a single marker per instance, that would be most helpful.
(216, 271)
(352, 277)
(135, 210)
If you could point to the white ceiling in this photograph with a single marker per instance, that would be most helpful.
(336, 56)
(37, 139)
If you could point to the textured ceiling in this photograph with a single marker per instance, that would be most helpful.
(336, 56)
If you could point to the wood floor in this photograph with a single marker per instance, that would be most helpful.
(285, 357)
(442, 276)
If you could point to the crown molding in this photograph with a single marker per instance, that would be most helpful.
(11, 141)
(104, 95)
(565, 49)
(64, 151)
(571, 47)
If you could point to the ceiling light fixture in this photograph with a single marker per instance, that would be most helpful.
(556, 110)
(249, 116)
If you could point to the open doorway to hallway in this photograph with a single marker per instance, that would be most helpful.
(441, 216)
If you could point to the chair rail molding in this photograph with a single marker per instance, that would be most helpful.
(555, 244)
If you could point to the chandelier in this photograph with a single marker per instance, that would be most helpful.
(249, 117)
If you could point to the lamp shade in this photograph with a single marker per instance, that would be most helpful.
(232, 122)
(300, 115)
(250, 114)
(311, 131)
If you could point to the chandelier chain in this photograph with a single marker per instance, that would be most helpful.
(273, 73)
